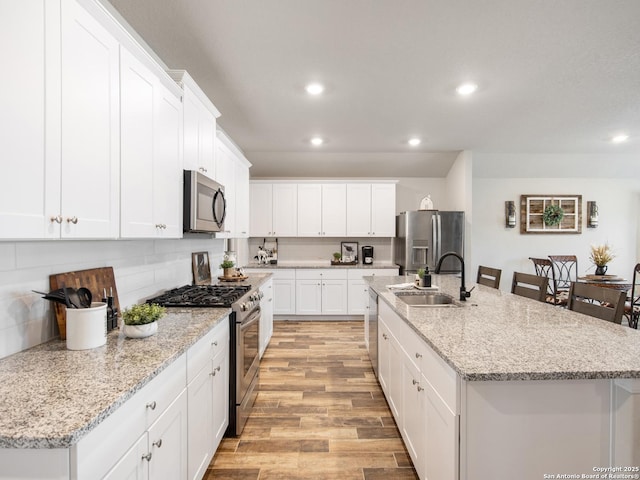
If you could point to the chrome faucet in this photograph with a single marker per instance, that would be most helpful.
(463, 291)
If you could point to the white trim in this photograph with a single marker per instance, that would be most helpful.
(183, 78)
(631, 385)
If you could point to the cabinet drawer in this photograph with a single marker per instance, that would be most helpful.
(357, 273)
(321, 274)
(206, 348)
(95, 454)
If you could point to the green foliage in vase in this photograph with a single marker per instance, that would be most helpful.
(227, 264)
(421, 272)
(337, 256)
(143, 314)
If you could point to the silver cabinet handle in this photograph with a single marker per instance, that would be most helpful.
(415, 382)
(157, 444)
(420, 388)
(418, 355)
(147, 457)
(73, 220)
(214, 343)
(57, 219)
(217, 369)
(384, 335)
(202, 169)
(152, 405)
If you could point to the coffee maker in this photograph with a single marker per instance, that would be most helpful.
(367, 255)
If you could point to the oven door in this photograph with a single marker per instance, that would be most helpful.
(205, 206)
(247, 359)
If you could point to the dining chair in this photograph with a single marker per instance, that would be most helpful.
(544, 268)
(600, 302)
(489, 276)
(530, 286)
(632, 305)
(565, 268)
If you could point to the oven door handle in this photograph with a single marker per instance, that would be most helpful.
(255, 317)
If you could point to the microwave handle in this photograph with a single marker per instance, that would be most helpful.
(220, 221)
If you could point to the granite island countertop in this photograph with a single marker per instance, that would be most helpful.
(51, 397)
(496, 335)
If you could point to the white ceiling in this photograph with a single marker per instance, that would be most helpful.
(558, 77)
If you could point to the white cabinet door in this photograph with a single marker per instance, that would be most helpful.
(167, 165)
(358, 296)
(309, 210)
(200, 426)
(168, 442)
(133, 465)
(220, 375)
(266, 315)
(90, 126)
(137, 84)
(285, 212)
(334, 210)
(334, 296)
(358, 209)
(225, 175)
(284, 296)
(441, 445)
(191, 122)
(384, 351)
(207, 142)
(242, 199)
(261, 209)
(199, 124)
(308, 297)
(30, 119)
(383, 210)
(413, 422)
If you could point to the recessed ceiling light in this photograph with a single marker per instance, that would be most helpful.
(317, 141)
(414, 142)
(620, 138)
(466, 88)
(314, 88)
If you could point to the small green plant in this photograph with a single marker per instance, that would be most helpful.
(421, 272)
(227, 264)
(337, 256)
(143, 314)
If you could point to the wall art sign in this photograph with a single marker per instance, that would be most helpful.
(551, 214)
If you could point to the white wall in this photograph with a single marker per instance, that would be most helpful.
(142, 269)
(496, 246)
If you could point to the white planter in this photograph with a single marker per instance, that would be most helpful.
(140, 331)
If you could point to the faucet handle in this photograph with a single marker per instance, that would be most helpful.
(464, 294)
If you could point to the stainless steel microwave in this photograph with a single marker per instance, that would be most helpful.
(205, 206)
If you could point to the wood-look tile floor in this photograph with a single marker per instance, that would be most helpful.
(320, 413)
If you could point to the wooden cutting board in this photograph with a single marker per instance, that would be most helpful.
(95, 279)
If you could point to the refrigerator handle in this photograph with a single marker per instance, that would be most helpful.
(437, 238)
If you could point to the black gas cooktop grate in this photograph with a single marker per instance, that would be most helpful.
(201, 296)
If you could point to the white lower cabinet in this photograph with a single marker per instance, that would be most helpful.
(283, 290)
(208, 397)
(266, 315)
(321, 291)
(358, 290)
(422, 393)
(132, 465)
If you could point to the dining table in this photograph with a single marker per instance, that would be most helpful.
(608, 281)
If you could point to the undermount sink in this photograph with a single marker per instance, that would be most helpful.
(426, 299)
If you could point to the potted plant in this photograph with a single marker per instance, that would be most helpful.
(600, 256)
(227, 266)
(336, 257)
(142, 320)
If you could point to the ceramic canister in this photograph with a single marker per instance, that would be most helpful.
(87, 327)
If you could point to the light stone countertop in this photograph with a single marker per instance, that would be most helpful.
(51, 397)
(500, 336)
(319, 264)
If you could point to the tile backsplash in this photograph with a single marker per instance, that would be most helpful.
(142, 268)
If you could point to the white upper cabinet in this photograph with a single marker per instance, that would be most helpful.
(90, 123)
(321, 210)
(273, 209)
(371, 209)
(199, 126)
(29, 117)
(151, 156)
(232, 171)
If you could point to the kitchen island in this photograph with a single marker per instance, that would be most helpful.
(502, 386)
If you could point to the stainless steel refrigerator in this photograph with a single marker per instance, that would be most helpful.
(423, 236)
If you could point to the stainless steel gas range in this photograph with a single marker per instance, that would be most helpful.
(244, 360)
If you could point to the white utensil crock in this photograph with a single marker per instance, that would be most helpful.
(87, 327)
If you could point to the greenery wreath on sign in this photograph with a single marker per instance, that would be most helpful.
(552, 215)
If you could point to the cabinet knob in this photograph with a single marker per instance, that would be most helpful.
(147, 457)
(73, 220)
(152, 405)
(420, 388)
(384, 335)
(157, 444)
(57, 219)
(415, 382)
(214, 343)
(418, 355)
(202, 169)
